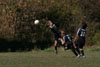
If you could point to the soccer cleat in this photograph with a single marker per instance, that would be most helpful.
(56, 52)
(81, 55)
(84, 56)
(78, 56)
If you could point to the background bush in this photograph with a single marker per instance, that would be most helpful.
(17, 21)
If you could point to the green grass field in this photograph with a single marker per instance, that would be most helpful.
(48, 58)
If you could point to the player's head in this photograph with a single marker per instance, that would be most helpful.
(62, 33)
(84, 25)
(50, 23)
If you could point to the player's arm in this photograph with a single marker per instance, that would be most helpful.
(77, 35)
(66, 46)
(66, 42)
(76, 38)
(62, 41)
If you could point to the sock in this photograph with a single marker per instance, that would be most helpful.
(56, 49)
(82, 52)
(77, 50)
(73, 50)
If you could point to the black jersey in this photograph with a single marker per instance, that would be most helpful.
(81, 40)
(57, 34)
(67, 39)
(54, 29)
(81, 33)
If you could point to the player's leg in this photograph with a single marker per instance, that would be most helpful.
(82, 51)
(73, 50)
(77, 48)
(62, 41)
(55, 45)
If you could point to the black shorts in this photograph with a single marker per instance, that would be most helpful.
(80, 44)
(70, 46)
(56, 36)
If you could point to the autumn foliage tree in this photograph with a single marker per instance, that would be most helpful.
(17, 21)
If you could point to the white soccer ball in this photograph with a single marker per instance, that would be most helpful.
(36, 22)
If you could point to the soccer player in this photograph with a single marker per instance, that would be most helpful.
(79, 40)
(57, 34)
(68, 43)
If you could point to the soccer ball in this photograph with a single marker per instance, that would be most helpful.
(36, 22)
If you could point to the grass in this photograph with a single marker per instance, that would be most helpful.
(48, 58)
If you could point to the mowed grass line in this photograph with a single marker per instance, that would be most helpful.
(48, 58)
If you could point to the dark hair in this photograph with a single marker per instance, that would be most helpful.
(84, 25)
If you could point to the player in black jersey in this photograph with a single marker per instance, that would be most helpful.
(79, 39)
(68, 43)
(57, 34)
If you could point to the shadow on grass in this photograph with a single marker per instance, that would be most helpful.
(14, 45)
(20, 46)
